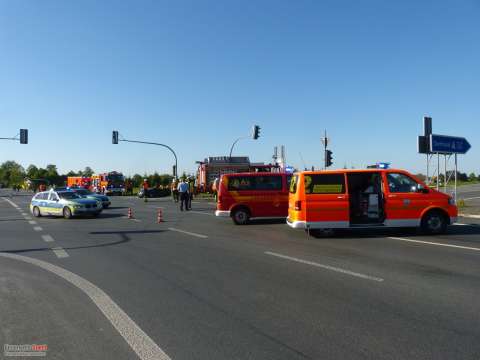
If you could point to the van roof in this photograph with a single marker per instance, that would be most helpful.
(261, 173)
(348, 171)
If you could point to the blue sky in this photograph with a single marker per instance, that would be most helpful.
(197, 74)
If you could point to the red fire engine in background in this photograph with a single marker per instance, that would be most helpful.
(214, 167)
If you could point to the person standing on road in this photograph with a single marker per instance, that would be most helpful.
(174, 189)
(191, 190)
(184, 195)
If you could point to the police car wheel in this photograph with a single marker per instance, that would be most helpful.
(241, 216)
(434, 222)
(67, 213)
(36, 212)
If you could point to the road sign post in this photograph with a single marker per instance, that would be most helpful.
(431, 144)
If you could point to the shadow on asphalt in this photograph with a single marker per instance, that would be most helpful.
(116, 207)
(266, 221)
(124, 238)
(12, 219)
(410, 232)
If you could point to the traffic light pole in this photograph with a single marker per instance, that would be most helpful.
(158, 144)
(240, 138)
(22, 136)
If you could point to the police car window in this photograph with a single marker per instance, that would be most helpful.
(53, 197)
(68, 195)
(325, 184)
(400, 183)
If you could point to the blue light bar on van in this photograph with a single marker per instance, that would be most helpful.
(383, 165)
(289, 169)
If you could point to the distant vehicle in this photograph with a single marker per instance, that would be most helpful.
(63, 203)
(365, 199)
(245, 196)
(91, 195)
(79, 181)
(108, 183)
(153, 193)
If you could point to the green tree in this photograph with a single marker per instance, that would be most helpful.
(32, 172)
(87, 171)
(12, 173)
(472, 177)
(137, 180)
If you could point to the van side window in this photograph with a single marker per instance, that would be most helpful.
(325, 184)
(261, 183)
(400, 183)
(273, 182)
(239, 183)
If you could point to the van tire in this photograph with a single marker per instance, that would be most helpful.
(434, 222)
(36, 211)
(67, 213)
(241, 216)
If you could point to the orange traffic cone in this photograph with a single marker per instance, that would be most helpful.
(159, 216)
(130, 215)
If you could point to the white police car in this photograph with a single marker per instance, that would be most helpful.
(63, 203)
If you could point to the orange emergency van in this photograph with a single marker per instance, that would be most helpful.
(367, 198)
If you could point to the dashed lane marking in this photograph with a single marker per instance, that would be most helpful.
(37, 228)
(327, 267)
(60, 252)
(189, 233)
(47, 238)
(434, 243)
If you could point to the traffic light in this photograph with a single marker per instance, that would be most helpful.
(255, 132)
(328, 158)
(174, 171)
(114, 137)
(23, 136)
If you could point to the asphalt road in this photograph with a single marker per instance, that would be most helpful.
(471, 195)
(199, 287)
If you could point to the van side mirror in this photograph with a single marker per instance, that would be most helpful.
(422, 189)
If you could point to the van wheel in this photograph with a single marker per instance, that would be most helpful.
(67, 213)
(36, 212)
(241, 216)
(434, 222)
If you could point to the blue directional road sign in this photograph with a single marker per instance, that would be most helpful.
(448, 144)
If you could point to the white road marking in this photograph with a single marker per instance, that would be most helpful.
(201, 212)
(32, 222)
(47, 238)
(136, 220)
(434, 243)
(24, 213)
(60, 252)
(139, 341)
(11, 202)
(472, 198)
(37, 228)
(327, 267)
(28, 218)
(188, 233)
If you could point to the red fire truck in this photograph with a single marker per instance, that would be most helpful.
(214, 167)
(109, 183)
